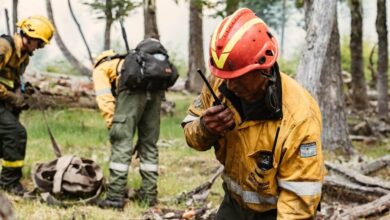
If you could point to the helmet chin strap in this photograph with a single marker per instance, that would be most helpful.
(271, 96)
(28, 42)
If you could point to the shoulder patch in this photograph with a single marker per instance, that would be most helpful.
(308, 150)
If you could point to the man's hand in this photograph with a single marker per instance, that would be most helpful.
(17, 101)
(217, 119)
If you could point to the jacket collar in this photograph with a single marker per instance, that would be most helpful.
(256, 111)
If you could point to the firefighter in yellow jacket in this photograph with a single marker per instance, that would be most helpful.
(267, 134)
(35, 33)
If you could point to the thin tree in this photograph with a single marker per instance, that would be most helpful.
(67, 54)
(124, 35)
(382, 83)
(320, 71)
(107, 29)
(195, 47)
(7, 21)
(231, 6)
(14, 14)
(111, 11)
(359, 90)
(81, 31)
(275, 13)
(150, 19)
(283, 27)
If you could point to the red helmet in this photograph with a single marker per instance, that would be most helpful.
(241, 43)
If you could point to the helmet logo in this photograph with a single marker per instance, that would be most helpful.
(28, 26)
(221, 60)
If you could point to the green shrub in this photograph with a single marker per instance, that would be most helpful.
(60, 65)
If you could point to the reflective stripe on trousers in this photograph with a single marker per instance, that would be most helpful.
(119, 166)
(17, 163)
(148, 167)
(247, 196)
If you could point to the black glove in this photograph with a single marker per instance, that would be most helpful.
(29, 89)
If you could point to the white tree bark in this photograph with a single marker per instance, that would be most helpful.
(319, 71)
(319, 29)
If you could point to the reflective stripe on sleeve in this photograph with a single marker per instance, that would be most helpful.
(148, 167)
(7, 82)
(119, 166)
(17, 163)
(103, 91)
(189, 118)
(247, 196)
(301, 188)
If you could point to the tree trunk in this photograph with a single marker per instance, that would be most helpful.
(195, 47)
(109, 21)
(81, 32)
(124, 35)
(283, 27)
(68, 55)
(381, 28)
(359, 87)
(231, 6)
(320, 71)
(14, 14)
(371, 67)
(150, 20)
(7, 21)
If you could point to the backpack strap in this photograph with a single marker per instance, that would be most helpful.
(10, 40)
(108, 58)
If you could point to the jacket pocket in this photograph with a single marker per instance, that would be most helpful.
(262, 173)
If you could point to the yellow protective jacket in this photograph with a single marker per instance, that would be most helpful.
(13, 63)
(105, 78)
(292, 184)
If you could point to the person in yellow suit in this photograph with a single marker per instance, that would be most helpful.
(267, 132)
(35, 33)
(105, 75)
(126, 109)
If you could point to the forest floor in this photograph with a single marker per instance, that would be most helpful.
(82, 132)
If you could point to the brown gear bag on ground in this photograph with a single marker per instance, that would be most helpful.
(68, 180)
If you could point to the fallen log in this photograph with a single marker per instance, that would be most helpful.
(375, 165)
(345, 190)
(199, 193)
(165, 213)
(375, 207)
(358, 177)
(63, 91)
(365, 139)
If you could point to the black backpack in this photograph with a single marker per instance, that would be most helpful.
(148, 68)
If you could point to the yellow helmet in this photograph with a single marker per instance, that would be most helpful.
(37, 27)
(103, 55)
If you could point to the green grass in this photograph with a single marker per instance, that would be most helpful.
(82, 132)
